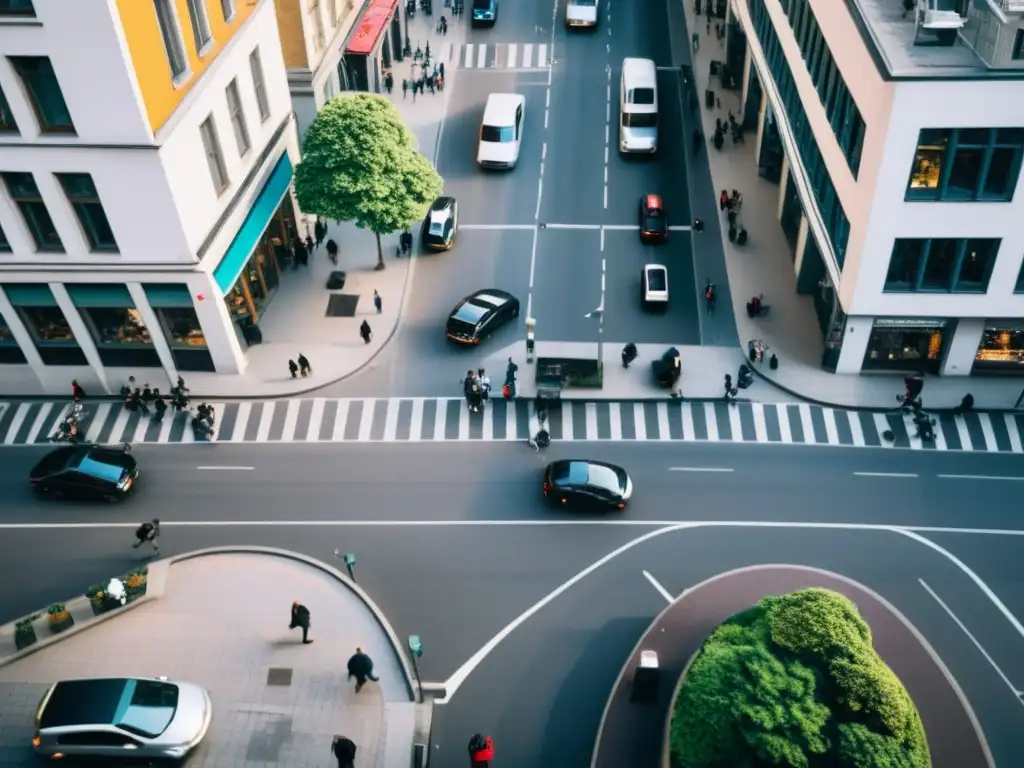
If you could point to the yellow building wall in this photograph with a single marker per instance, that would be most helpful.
(293, 36)
(146, 47)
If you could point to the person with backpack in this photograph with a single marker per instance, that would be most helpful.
(481, 751)
(148, 533)
(709, 296)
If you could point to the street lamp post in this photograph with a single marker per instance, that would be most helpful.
(599, 313)
(416, 651)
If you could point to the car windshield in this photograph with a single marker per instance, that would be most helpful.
(437, 227)
(604, 477)
(654, 224)
(481, 5)
(497, 134)
(471, 313)
(640, 119)
(147, 707)
(656, 280)
(641, 96)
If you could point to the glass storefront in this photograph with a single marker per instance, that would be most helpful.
(121, 337)
(1002, 347)
(46, 324)
(907, 344)
(10, 352)
(172, 304)
(769, 161)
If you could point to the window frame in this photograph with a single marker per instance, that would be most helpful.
(84, 208)
(1017, 54)
(940, 193)
(7, 122)
(173, 38)
(199, 18)
(18, 13)
(17, 63)
(5, 244)
(953, 283)
(1019, 285)
(227, 7)
(259, 84)
(243, 142)
(22, 201)
(214, 155)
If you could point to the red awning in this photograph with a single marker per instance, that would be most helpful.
(371, 25)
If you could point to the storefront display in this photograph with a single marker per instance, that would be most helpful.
(45, 323)
(117, 328)
(907, 344)
(1002, 347)
(10, 352)
(179, 322)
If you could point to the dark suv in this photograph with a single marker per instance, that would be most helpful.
(89, 472)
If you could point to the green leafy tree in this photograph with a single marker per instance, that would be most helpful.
(360, 163)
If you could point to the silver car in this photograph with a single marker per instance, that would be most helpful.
(121, 717)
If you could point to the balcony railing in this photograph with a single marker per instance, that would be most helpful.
(1013, 6)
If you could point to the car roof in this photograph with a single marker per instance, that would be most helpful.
(655, 268)
(501, 108)
(583, 472)
(652, 201)
(442, 204)
(102, 463)
(491, 297)
(84, 702)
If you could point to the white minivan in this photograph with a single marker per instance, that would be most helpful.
(501, 131)
(638, 107)
(581, 13)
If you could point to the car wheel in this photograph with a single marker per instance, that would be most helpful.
(515, 312)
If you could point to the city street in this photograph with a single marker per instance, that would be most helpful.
(455, 544)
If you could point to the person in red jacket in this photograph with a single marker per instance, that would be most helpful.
(481, 751)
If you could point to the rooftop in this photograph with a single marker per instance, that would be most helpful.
(891, 33)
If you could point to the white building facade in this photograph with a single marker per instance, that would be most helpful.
(146, 156)
(897, 142)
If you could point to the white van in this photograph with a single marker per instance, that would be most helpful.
(501, 131)
(638, 107)
(581, 13)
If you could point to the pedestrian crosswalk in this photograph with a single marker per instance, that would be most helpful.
(515, 56)
(405, 420)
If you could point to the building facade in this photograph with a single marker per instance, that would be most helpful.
(146, 156)
(895, 133)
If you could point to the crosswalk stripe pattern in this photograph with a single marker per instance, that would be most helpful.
(330, 420)
(496, 55)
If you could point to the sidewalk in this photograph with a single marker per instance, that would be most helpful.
(765, 266)
(276, 701)
(296, 321)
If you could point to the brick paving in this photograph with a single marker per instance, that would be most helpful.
(223, 623)
(634, 734)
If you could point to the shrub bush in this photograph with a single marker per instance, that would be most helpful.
(59, 618)
(794, 681)
(25, 632)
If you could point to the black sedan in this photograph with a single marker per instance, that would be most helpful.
(88, 472)
(587, 484)
(478, 316)
(440, 224)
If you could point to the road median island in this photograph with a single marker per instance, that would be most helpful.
(795, 680)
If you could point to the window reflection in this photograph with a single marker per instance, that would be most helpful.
(927, 168)
(1000, 347)
(181, 326)
(47, 325)
(117, 326)
(938, 270)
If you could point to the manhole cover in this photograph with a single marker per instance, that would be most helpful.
(281, 676)
(889, 436)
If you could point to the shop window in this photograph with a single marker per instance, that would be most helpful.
(44, 93)
(966, 164)
(7, 123)
(976, 264)
(85, 200)
(5, 246)
(1002, 347)
(905, 265)
(45, 323)
(174, 45)
(180, 325)
(940, 265)
(10, 352)
(116, 327)
(905, 347)
(200, 25)
(23, 190)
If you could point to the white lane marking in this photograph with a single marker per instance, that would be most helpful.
(760, 424)
(316, 418)
(701, 469)
(606, 197)
(498, 227)
(416, 423)
(528, 55)
(572, 226)
(241, 422)
(340, 419)
(391, 420)
(440, 418)
(615, 421)
(453, 683)
(227, 469)
(511, 61)
(680, 229)
(711, 422)
(639, 423)
(533, 267)
(885, 474)
(542, 55)
(831, 429)
(988, 432)
(291, 419)
(1016, 691)
(657, 585)
(1007, 478)
(267, 418)
(540, 195)
(19, 419)
(468, 63)
(664, 430)
(602, 239)
(544, 149)
(1011, 430)
(481, 58)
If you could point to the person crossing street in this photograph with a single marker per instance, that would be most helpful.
(148, 533)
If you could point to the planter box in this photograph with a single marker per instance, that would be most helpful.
(24, 639)
(66, 622)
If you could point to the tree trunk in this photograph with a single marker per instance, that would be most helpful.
(380, 255)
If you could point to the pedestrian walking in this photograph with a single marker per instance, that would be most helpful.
(485, 383)
(389, 82)
(731, 216)
(440, 70)
(730, 391)
(736, 201)
(360, 666)
(310, 244)
(293, 369)
(723, 201)
(319, 232)
(300, 618)
(301, 254)
(405, 88)
(365, 332)
(966, 404)
(76, 391)
(481, 751)
(698, 225)
(344, 749)
(148, 533)
(332, 252)
(378, 302)
(710, 297)
(305, 369)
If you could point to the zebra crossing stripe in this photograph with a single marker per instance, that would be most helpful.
(542, 55)
(481, 57)
(527, 56)
(511, 60)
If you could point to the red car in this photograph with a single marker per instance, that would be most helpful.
(653, 222)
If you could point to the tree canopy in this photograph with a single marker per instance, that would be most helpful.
(794, 681)
(360, 163)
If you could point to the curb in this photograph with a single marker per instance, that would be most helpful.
(842, 407)
(156, 585)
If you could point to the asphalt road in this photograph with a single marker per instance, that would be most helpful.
(455, 543)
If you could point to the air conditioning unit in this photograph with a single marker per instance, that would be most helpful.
(939, 15)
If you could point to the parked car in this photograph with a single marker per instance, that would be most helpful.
(88, 472)
(583, 484)
(478, 316)
(485, 13)
(654, 286)
(653, 221)
(440, 225)
(123, 717)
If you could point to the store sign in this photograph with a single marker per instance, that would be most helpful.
(909, 322)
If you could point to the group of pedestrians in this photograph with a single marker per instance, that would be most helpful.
(476, 388)
(427, 80)
(300, 367)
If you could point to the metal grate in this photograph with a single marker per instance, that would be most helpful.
(279, 676)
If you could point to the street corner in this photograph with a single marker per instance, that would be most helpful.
(567, 284)
(655, 670)
(275, 699)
